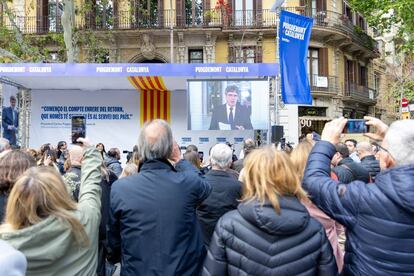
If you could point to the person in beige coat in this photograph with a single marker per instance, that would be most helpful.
(57, 236)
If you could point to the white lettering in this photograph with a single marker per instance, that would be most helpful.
(137, 70)
(204, 69)
(12, 69)
(237, 69)
(109, 69)
(40, 69)
(294, 31)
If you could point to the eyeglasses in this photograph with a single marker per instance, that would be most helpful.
(378, 145)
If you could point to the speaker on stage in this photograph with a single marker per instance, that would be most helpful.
(277, 134)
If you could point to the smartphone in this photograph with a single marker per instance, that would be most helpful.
(355, 126)
(201, 156)
(78, 128)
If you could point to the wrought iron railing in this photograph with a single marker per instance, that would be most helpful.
(360, 92)
(194, 19)
(324, 84)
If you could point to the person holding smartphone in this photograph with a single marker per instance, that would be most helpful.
(379, 216)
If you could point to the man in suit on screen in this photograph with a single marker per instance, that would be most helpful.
(10, 122)
(231, 115)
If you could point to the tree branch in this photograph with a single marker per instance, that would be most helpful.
(5, 53)
(18, 34)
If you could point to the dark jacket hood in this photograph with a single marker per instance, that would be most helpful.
(398, 185)
(111, 160)
(369, 157)
(293, 216)
(345, 160)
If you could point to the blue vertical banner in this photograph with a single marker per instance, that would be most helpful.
(294, 34)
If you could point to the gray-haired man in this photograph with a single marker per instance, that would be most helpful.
(378, 217)
(153, 222)
(226, 191)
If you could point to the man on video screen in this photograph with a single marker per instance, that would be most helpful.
(231, 115)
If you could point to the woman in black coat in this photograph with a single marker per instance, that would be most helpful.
(271, 232)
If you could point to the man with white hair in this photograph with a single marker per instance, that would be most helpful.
(153, 222)
(368, 161)
(226, 190)
(378, 217)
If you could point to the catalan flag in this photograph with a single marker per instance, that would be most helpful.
(155, 98)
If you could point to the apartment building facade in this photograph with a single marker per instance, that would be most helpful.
(344, 79)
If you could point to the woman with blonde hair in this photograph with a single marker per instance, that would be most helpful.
(12, 165)
(193, 158)
(299, 157)
(57, 236)
(271, 232)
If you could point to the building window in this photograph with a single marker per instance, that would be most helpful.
(194, 12)
(363, 76)
(195, 56)
(243, 12)
(145, 13)
(347, 11)
(361, 23)
(55, 12)
(313, 61)
(246, 55)
(376, 82)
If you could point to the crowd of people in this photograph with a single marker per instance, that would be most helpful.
(321, 208)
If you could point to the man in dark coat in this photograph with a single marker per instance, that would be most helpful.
(231, 113)
(378, 217)
(226, 190)
(10, 122)
(153, 223)
(368, 161)
(346, 169)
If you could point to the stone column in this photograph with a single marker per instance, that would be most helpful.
(209, 49)
(182, 49)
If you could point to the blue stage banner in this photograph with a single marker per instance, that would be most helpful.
(140, 69)
(295, 31)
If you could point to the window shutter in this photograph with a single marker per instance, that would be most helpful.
(41, 14)
(321, 5)
(116, 14)
(180, 12)
(160, 9)
(258, 12)
(356, 72)
(323, 66)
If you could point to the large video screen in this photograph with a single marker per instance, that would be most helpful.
(228, 104)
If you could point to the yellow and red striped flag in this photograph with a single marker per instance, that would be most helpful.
(155, 98)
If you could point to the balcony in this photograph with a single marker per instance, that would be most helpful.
(328, 25)
(324, 85)
(359, 93)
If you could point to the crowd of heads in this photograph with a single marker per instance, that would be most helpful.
(35, 190)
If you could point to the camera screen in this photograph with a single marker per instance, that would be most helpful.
(78, 127)
(355, 126)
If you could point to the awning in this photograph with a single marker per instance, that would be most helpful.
(315, 118)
